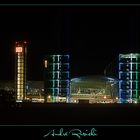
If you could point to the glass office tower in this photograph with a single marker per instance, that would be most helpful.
(20, 70)
(129, 78)
(57, 78)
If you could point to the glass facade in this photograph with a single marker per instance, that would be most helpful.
(57, 77)
(129, 78)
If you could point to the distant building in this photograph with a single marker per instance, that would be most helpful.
(34, 90)
(20, 70)
(94, 89)
(129, 78)
(57, 78)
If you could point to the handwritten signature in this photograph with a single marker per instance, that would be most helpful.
(74, 132)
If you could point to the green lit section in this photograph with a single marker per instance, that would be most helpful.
(136, 76)
(57, 78)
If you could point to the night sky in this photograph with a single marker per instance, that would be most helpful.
(92, 35)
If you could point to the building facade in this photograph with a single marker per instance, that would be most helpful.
(129, 78)
(57, 78)
(20, 70)
(94, 89)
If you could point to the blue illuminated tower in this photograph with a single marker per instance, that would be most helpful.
(57, 78)
(129, 78)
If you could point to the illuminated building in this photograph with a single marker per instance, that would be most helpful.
(56, 78)
(20, 72)
(94, 89)
(129, 76)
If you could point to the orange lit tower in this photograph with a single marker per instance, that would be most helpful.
(20, 70)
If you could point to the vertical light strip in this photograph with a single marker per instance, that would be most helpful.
(53, 83)
(58, 66)
(131, 56)
(20, 72)
(119, 77)
(119, 84)
(68, 95)
(53, 77)
(58, 73)
(131, 75)
(131, 84)
(136, 76)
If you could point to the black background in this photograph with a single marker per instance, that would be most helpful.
(37, 132)
(92, 35)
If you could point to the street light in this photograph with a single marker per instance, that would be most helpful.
(104, 97)
(49, 97)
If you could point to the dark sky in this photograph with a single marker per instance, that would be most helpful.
(92, 35)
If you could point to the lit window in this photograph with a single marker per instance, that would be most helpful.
(45, 63)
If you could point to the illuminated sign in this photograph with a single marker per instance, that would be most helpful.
(18, 49)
